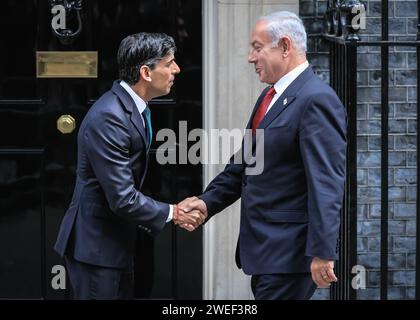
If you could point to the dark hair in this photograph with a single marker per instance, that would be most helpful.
(142, 49)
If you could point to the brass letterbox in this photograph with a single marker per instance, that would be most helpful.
(66, 64)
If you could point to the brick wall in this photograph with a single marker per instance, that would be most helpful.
(402, 142)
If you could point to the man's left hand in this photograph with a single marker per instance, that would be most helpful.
(323, 272)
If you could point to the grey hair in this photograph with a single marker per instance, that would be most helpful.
(285, 23)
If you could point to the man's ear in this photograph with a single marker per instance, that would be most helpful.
(285, 45)
(145, 73)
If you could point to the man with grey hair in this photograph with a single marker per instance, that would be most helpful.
(290, 213)
(98, 232)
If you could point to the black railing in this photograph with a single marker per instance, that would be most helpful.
(342, 35)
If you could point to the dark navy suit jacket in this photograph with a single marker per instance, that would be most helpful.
(291, 211)
(99, 227)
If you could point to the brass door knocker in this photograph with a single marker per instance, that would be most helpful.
(63, 11)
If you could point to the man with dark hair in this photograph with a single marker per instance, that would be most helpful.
(98, 232)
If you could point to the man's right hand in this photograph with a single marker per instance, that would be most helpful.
(323, 272)
(193, 206)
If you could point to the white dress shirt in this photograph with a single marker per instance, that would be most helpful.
(139, 102)
(141, 105)
(281, 85)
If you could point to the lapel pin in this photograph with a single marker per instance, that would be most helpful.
(285, 101)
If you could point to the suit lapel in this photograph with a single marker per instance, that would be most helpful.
(137, 121)
(287, 97)
(130, 106)
(278, 107)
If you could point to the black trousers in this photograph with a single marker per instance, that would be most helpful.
(287, 286)
(94, 282)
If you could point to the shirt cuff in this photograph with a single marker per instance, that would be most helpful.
(170, 215)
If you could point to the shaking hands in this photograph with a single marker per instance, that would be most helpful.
(190, 213)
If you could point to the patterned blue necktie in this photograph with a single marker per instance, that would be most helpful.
(146, 113)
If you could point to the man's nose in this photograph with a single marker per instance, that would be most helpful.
(251, 58)
(177, 69)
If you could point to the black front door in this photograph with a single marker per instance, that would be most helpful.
(38, 161)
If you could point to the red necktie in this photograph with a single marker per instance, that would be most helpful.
(262, 109)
